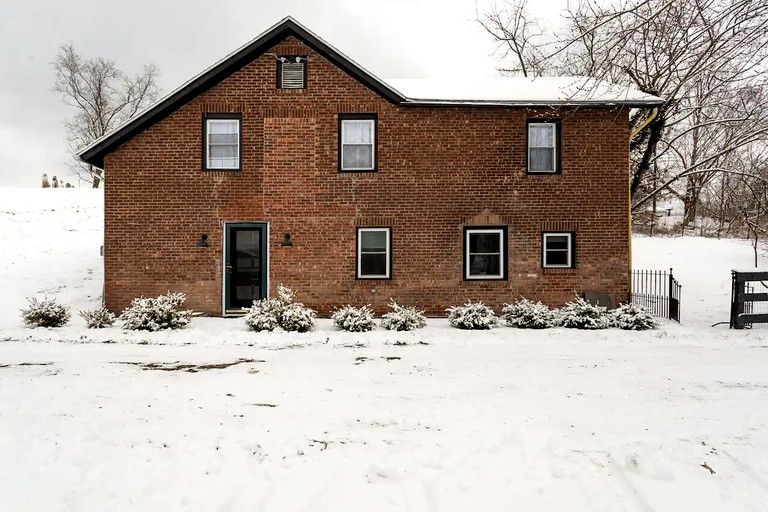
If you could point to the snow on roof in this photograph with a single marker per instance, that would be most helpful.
(519, 91)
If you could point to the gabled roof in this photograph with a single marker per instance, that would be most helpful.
(95, 152)
(562, 91)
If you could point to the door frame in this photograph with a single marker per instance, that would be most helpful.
(264, 225)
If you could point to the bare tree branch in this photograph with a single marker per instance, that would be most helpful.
(103, 97)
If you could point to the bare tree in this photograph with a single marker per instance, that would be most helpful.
(102, 95)
(518, 35)
(693, 53)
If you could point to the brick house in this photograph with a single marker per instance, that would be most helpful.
(287, 162)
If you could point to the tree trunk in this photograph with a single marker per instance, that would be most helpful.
(690, 203)
(96, 173)
(654, 136)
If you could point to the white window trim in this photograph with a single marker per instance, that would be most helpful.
(569, 263)
(467, 259)
(388, 246)
(208, 123)
(553, 146)
(371, 122)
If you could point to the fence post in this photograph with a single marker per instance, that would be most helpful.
(737, 301)
(669, 296)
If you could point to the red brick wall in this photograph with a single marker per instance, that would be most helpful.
(439, 170)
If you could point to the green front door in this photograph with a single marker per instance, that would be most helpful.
(245, 265)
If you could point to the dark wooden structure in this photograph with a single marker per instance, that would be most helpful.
(743, 299)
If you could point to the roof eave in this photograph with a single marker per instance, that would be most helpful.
(533, 103)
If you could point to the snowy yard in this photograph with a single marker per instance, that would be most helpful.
(214, 417)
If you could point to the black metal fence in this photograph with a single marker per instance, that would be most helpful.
(657, 290)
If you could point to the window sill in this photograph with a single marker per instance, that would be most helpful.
(558, 270)
(222, 171)
(358, 171)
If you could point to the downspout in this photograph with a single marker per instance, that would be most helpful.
(635, 132)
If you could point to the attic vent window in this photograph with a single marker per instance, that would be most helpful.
(292, 72)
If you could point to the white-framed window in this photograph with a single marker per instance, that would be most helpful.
(557, 250)
(374, 253)
(357, 142)
(292, 72)
(485, 254)
(222, 143)
(542, 147)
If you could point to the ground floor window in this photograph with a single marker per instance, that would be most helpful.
(557, 250)
(374, 253)
(485, 255)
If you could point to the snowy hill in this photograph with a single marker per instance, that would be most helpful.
(213, 417)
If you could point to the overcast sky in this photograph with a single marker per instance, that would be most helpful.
(391, 38)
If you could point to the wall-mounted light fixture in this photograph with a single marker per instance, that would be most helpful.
(297, 59)
(203, 242)
(286, 241)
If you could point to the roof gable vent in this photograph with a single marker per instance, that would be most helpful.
(292, 72)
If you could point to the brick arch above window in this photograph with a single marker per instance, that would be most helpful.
(485, 217)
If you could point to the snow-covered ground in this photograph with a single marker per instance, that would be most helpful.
(433, 420)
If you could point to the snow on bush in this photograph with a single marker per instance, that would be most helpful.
(352, 319)
(282, 311)
(403, 318)
(581, 314)
(472, 315)
(527, 314)
(297, 317)
(155, 314)
(45, 313)
(98, 318)
(262, 315)
(634, 318)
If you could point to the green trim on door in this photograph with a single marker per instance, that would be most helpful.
(245, 265)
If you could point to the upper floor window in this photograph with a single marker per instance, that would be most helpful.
(543, 146)
(357, 142)
(292, 72)
(221, 142)
(485, 255)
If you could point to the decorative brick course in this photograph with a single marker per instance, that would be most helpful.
(439, 170)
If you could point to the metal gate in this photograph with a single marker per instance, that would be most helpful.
(658, 291)
(745, 302)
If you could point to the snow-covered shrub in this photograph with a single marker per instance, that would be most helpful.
(527, 314)
(45, 313)
(472, 315)
(262, 315)
(403, 318)
(98, 318)
(634, 318)
(581, 314)
(282, 311)
(352, 319)
(297, 317)
(154, 314)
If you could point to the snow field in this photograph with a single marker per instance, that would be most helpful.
(435, 420)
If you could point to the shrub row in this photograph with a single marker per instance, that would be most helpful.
(527, 314)
(143, 314)
(154, 314)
